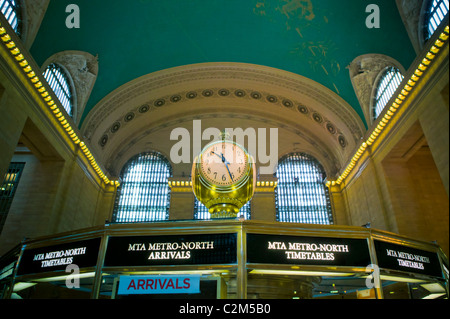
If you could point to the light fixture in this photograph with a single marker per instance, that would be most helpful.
(301, 273)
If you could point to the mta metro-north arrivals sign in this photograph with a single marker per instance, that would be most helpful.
(319, 251)
(171, 250)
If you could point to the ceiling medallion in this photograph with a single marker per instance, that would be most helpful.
(303, 109)
(191, 95)
(207, 93)
(175, 98)
(317, 117)
(239, 93)
(115, 127)
(272, 98)
(342, 141)
(287, 103)
(160, 102)
(223, 93)
(331, 128)
(144, 108)
(256, 95)
(103, 140)
(129, 117)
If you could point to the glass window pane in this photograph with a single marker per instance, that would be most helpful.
(58, 82)
(144, 194)
(388, 84)
(301, 195)
(201, 212)
(8, 189)
(435, 14)
(11, 11)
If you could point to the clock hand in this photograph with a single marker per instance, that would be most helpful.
(225, 162)
(220, 156)
(226, 165)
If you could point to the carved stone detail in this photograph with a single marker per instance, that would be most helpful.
(364, 71)
(83, 70)
(411, 13)
(32, 14)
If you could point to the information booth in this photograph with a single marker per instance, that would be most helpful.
(225, 259)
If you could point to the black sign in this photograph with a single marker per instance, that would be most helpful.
(398, 257)
(318, 251)
(82, 253)
(171, 250)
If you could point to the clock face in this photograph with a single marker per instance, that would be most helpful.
(224, 163)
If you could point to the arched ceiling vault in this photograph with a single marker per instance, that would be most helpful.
(314, 38)
(140, 115)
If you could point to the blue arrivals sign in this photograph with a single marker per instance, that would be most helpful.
(141, 285)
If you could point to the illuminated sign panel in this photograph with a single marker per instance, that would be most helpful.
(171, 250)
(398, 257)
(141, 285)
(82, 253)
(319, 251)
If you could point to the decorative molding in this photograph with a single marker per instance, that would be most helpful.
(125, 148)
(139, 110)
(228, 93)
(252, 75)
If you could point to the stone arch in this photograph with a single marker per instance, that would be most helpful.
(146, 109)
(364, 72)
(83, 69)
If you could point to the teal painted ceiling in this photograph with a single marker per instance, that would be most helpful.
(314, 38)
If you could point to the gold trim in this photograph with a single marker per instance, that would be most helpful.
(55, 106)
(408, 88)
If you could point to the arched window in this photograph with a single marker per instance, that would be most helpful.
(201, 212)
(388, 83)
(59, 83)
(301, 195)
(434, 14)
(144, 194)
(11, 11)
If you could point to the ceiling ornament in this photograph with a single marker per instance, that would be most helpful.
(256, 76)
(224, 93)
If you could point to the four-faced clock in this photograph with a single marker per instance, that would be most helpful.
(224, 163)
(223, 178)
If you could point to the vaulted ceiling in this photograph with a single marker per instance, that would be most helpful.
(313, 38)
(296, 51)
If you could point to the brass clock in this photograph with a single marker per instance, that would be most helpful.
(223, 178)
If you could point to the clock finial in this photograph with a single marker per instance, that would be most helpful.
(225, 136)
